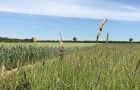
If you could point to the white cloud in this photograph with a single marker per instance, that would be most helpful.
(73, 8)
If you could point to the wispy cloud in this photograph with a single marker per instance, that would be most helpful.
(34, 27)
(92, 9)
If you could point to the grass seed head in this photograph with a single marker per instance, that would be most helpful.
(100, 29)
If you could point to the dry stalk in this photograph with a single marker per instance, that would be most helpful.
(138, 64)
(78, 62)
(100, 29)
(61, 48)
(97, 82)
(8, 72)
(107, 38)
(57, 84)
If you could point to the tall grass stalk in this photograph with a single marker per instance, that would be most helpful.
(61, 48)
(100, 30)
(107, 39)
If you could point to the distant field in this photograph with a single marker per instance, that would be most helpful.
(50, 44)
(101, 67)
(18, 54)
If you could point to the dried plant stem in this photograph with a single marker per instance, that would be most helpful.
(61, 48)
(138, 65)
(100, 29)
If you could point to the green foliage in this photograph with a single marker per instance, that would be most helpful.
(21, 54)
(85, 68)
(130, 39)
(74, 39)
(5, 39)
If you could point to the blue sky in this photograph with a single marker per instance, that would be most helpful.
(45, 19)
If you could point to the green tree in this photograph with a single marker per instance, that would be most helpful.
(74, 39)
(130, 39)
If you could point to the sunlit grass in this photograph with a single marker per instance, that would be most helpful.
(89, 68)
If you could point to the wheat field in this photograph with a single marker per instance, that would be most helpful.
(85, 66)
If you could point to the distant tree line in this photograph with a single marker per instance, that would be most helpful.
(5, 39)
(71, 41)
(33, 39)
